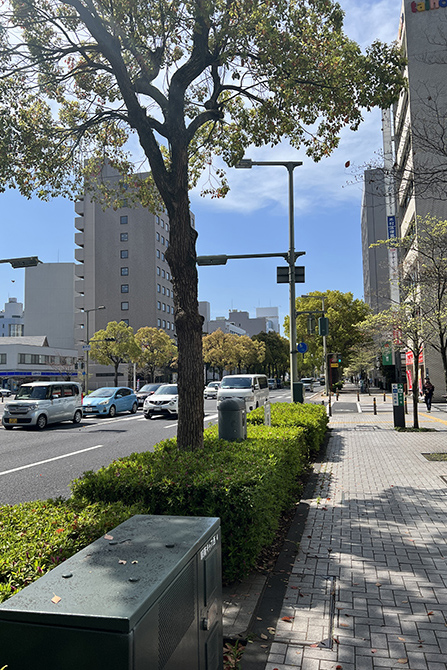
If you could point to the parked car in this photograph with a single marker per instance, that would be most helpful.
(109, 401)
(39, 403)
(147, 389)
(272, 383)
(211, 390)
(308, 383)
(5, 393)
(163, 402)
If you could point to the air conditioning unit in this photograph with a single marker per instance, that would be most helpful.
(146, 596)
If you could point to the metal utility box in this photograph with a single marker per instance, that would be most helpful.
(146, 596)
(232, 419)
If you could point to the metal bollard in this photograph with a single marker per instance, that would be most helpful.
(337, 395)
(329, 405)
(406, 406)
(384, 397)
(375, 406)
(358, 396)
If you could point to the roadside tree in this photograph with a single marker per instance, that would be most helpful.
(190, 80)
(247, 353)
(276, 361)
(157, 349)
(114, 345)
(217, 350)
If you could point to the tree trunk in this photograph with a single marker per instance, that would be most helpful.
(181, 256)
(116, 373)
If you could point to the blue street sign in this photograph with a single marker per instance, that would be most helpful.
(302, 347)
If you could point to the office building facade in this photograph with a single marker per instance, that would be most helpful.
(121, 267)
(419, 128)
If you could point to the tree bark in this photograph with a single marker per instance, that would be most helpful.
(181, 256)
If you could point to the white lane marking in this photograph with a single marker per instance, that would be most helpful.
(211, 417)
(49, 460)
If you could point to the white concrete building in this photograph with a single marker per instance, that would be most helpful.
(11, 319)
(30, 358)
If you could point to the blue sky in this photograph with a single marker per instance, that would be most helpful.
(253, 218)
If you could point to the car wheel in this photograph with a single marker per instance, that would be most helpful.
(134, 408)
(77, 416)
(41, 422)
(149, 415)
(112, 411)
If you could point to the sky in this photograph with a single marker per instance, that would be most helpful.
(253, 218)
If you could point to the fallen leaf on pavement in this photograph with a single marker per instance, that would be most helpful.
(402, 660)
(288, 618)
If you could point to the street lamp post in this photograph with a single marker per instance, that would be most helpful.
(247, 163)
(87, 340)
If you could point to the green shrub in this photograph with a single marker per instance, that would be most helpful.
(313, 418)
(37, 536)
(247, 484)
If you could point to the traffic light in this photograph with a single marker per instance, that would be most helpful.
(323, 325)
(338, 358)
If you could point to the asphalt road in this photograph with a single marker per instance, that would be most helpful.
(39, 465)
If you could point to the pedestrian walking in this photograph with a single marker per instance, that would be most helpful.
(428, 390)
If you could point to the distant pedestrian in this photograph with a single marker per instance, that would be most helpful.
(428, 390)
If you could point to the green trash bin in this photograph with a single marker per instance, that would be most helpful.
(298, 392)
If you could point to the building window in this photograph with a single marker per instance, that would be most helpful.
(162, 257)
(124, 237)
(158, 288)
(162, 239)
(168, 276)
(126, 321)
(164, 307)
(124, 272)
(159, 323)
(158, 253)
(158, 271)
(167, 227)
(157, 235)
(123, 219)
(168, 309)
(163, 290)
(2, 359)
(168, 293)
(124, 305)
(164, 323)
(163, 273)
(158, 304)
(157, 218)
(162, 223)
(124, 288)
(124, 253)
(15, 329)
(169, 326)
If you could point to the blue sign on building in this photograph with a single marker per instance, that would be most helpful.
(392, 227)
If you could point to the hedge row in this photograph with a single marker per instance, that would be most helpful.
(313, 418)
(247, 484)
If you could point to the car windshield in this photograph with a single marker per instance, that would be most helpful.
(33, 392)
(236, 383)
(102, 393)
(213, 385)
(167, 389)
(148, 387)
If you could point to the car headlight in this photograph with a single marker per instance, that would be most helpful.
(172, 402)
(103, 402)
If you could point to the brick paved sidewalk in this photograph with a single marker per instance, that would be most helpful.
(368, 588)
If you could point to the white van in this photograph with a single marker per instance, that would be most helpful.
(254, 389)
(39, 403)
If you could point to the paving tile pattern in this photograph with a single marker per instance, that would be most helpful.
(377, 527)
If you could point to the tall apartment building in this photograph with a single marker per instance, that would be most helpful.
(376, 276)
(419, 133)
(121, 267)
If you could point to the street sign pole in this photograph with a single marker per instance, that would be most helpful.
(398, 405)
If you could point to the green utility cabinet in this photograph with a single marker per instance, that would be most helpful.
(146, 596)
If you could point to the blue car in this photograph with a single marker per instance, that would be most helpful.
(110, 400)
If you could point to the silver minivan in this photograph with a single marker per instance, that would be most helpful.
(40, 403)
(253, 389)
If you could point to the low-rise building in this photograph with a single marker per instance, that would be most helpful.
(29, 358)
